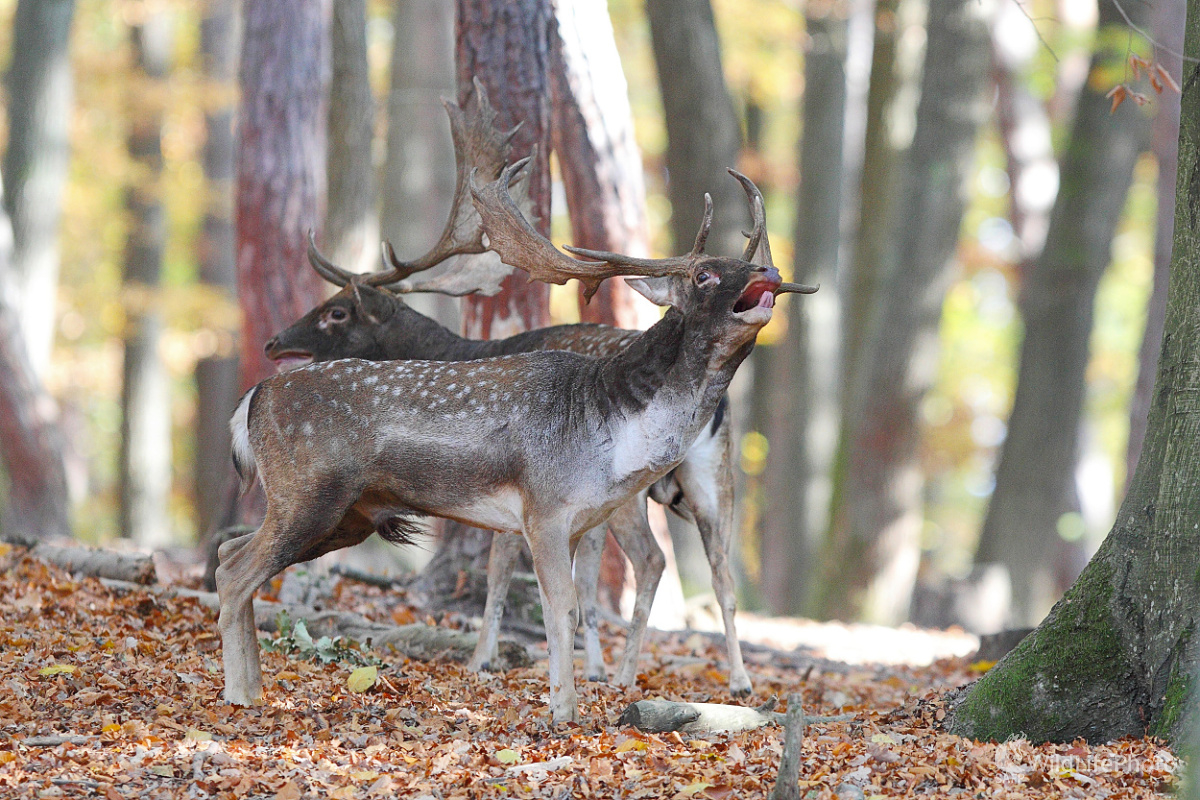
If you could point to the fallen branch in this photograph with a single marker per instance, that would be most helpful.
(787, 783)
(665, 716)
(96, 563)
(416, 641)
(54, 741)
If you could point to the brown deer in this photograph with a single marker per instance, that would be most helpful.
(344, 448)
(367, 320)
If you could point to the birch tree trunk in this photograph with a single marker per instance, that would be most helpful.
(1034, 479)
(1117, 654)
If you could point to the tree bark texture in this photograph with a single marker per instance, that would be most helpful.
(1167, 25)
(351, 223)
(418, 172)
(601, 167)
(216, 375)
(805, 378)
(35, 164)
(1117, 654)
(145, 454)
(280, 168)
(506, 45)
(703, 134)
(1034, 479)
(870, 558)
(598, 155)
(31, 447)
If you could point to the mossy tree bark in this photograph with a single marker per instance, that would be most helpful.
(1117, 654)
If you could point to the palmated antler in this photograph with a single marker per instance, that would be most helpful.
(758, 248)
(520, 245)
(478, 146)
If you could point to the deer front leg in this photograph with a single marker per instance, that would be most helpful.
(588, 557)
(502, 562)
(552, 563)
(631, 528)
(706, 479)
(245, 564)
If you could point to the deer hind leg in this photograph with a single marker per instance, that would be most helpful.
(551, 550)
(246, 562)
(502, 562)
(631, 528)
(706, 481)
(588, 556)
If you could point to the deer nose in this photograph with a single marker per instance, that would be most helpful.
(271, 344)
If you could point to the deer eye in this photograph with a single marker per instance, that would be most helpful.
(338, 315)
(705, 276)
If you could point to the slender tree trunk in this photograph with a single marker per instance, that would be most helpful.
(216, 375)
(1117, 654)
(1166, 24)
(145, 466)
(35, 164)
(870, 559)
(280, 168)
(30, 444)
(805, 374)
(703, 135)
(351, 224)
(418, 174)
(1034, 479)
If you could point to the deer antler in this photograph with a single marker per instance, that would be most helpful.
(758, 249)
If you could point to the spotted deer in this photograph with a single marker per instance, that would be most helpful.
(369, 319)
(546, 444)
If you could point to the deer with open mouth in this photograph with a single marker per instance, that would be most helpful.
(544, 444)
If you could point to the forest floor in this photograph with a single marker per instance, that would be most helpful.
(117, 694)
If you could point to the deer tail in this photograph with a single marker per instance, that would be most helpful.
(243, 454)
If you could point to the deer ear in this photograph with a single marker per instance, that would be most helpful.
(377, 306)
(659, 291)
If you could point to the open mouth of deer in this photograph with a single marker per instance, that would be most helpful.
(291, 359)
(757, 300)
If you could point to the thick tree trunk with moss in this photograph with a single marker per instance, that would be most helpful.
(1117, 654)
(1034, 479)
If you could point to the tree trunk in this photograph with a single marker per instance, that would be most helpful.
(1034, 479)
(418, 173)
(35, 164)
(280, 168)
(30, 444)
(601, 169)
(703, 135)
(216, 375)
(870, 558)
(506, 46)
(1167, 25)
(1117, 654)
(351, 225)
(145, 466)
(805, 378)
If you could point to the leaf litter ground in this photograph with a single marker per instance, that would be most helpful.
(116, 694)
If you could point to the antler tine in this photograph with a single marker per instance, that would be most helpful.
(324, 267)
(705, 226)
(478, 145)
(759, 215)
(656, 266)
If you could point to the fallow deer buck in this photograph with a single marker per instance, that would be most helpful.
(347, 447)
(367, 320)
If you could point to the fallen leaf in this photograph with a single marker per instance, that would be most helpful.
(58, 669)
(289, 791)
(194, 735)
(362, 679)
(507, 756)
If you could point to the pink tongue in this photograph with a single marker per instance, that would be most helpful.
(767, 300)
(291, 362)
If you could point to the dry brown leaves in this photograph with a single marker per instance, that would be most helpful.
(117, 695)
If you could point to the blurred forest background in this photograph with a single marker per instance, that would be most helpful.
(983, 189)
